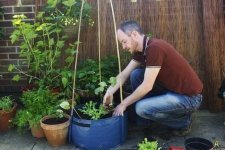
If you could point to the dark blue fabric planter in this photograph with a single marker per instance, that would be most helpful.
(98, 134)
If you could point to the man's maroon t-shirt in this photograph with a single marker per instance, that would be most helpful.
(175, 74)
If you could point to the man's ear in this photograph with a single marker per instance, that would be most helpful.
(134, 34)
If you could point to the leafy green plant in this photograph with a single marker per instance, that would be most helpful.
(37, 104)
(64, 105)
(6, 103)
(147, 145)
(88, 74)
(67, 12)
(90, 109)
(42, 45)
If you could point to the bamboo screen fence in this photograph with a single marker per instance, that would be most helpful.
(194, 27)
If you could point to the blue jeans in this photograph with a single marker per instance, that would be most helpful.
(164, 106)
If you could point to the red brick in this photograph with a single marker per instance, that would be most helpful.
(9, 2)
(5, 24)
(28, 2)
(14, 56)
(7, 49)
(3, 42)
(3, 56)
(7, 62)
(4, 69)
(7, 9)
(5, 82)
(23, 9)
(11, 89)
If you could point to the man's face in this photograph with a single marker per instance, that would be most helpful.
(128, 42)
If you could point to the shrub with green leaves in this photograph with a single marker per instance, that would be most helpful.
(147, 145)
(6, 103)
(42, 45)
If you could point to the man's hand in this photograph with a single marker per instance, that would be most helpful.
(120, 109)
(108, 99)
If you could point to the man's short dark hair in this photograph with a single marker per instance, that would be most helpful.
(129, 26)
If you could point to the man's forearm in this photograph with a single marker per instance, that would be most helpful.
(140, 92)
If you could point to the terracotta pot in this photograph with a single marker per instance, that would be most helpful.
(56, 134)
(37, 131)
(5, 118)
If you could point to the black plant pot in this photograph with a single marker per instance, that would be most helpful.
(198, 144)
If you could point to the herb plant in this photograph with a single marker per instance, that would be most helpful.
(147, 145)
(92, 111)
(6, 103)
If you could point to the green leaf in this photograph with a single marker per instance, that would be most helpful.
(69, 3)
(69, 59)
(16, 78)
(102, 84)
(11, 67)
(51, 41)
(60, 44)
(112, 80)
(52, 3)
(65, 105)
(64, 81)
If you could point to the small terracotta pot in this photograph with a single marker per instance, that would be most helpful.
(56, 134)
(5, 118)
(37, 131)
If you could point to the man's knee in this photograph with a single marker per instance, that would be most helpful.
(142, 111)
(135, 74)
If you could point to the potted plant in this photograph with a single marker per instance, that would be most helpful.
(36, 104)
(7, 112)
(56, 125)
(97, 123)
(148, 145)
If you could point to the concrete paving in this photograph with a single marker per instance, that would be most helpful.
(206, 125)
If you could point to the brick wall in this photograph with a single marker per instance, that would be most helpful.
(8, 51)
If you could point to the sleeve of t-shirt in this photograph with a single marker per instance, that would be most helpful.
(137, 57)
(154, 56)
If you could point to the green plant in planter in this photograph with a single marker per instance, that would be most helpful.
(61, 108)
(6, 103)
(92, 111)
(147, 145)
(37, 104)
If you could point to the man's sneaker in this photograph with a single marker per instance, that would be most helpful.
(182, 132)
(185, 131)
